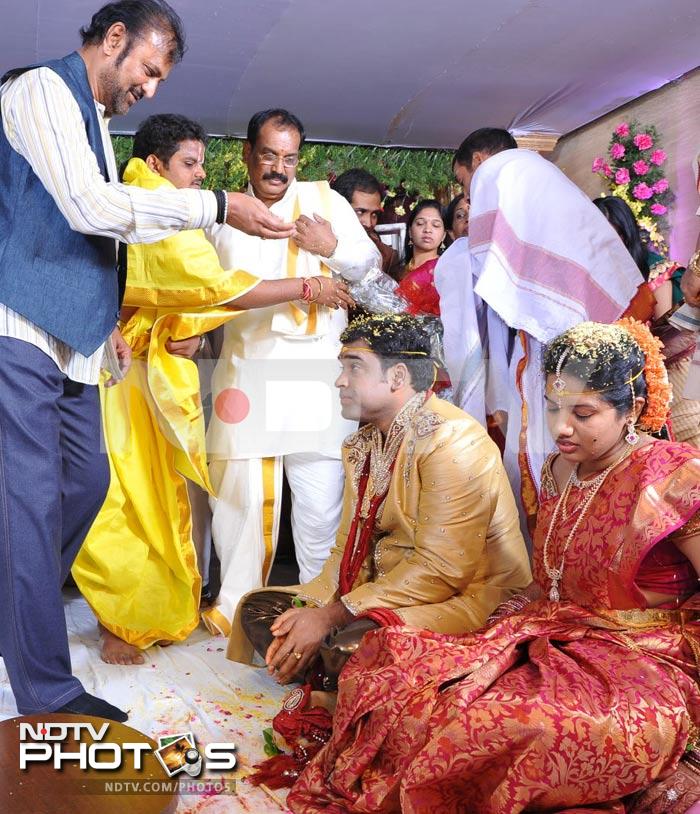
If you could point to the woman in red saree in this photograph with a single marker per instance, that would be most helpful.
(425, 233)
(584, 692)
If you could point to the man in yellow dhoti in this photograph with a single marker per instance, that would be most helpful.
(429, 535)
(137, 567)
(274, 403)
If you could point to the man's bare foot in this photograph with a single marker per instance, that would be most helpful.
(117, 651)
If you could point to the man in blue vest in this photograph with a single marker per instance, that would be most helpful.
(62, 212)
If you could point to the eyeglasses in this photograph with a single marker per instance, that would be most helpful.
(271, 160)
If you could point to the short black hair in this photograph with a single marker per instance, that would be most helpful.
(452, 208)
(397, 338)
(489, 140)
(282, 118)
(426, 203)
(356, 179)
(139, 17)
(622, 219)
(162, 134)
(604, 357)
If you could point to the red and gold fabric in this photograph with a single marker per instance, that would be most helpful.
(563, 706)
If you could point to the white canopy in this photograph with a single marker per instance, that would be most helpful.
(417, 73)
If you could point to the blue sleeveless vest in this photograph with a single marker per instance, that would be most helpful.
(63, 281)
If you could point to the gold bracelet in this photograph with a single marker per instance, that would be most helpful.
(320, 288)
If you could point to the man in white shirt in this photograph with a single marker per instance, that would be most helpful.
(61, 212)
(273, 398)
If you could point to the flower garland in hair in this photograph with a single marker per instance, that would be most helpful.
(634, 174)
(659, 391)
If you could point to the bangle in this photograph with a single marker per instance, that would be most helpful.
(320, 288)
(306, 291)
(221, 205)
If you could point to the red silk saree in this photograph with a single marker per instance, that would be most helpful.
(565, 706)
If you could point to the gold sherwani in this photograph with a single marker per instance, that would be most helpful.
(448, 547)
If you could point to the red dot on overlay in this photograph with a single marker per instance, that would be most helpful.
(232, 405)
(44, 731)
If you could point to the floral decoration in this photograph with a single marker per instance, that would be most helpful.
(633, 171)
(658, 388)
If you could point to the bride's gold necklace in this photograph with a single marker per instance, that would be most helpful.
(556, 574)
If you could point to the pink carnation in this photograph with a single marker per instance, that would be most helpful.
(617, 150)
(622, 130)
(642, 191)
(660, 186)
(658, 209)
(622, 176)
(643, 141)
(658, 157)
(640, 167)
(598, 164)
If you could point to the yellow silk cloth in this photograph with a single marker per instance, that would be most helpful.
(137, 567)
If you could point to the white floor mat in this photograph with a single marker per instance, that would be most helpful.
(189, 687)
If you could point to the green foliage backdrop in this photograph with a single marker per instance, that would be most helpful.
(405, 173)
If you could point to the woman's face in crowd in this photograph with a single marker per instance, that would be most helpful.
(460, 220)
(583, 425)
(427, 230)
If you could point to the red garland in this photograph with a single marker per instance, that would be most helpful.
(354, 555)
(305, 730)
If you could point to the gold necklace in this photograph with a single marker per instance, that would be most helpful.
(384, 451)
(556, 574)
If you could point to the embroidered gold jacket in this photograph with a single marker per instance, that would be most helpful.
(448, 549)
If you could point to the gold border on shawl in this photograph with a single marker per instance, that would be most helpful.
(268, 513)
(293, 256)
(215, 622)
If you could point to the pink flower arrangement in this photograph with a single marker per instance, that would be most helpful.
(642, 192)
(632, 170)
(617, 151)
(643, 141)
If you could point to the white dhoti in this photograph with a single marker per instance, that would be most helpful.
(246, 516)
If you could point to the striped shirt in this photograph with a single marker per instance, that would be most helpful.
(43, 123)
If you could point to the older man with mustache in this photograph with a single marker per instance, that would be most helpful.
(274, 402)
